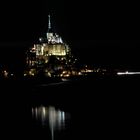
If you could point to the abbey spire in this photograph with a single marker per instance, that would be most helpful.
(49, 22)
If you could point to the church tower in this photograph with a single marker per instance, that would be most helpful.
(49, 33)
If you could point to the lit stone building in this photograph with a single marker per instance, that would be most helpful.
(50, 47)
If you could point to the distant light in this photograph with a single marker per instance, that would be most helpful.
(79, 73)
(5, 73)
(127, 73)
(63, 115)
(44, 111)
(40, 39)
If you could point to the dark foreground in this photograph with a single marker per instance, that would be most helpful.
(105, 107)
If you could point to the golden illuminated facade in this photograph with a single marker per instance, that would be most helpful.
(45, 49)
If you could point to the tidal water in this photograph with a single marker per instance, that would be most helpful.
(90, 108)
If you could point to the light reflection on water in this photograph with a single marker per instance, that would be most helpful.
(50, 117)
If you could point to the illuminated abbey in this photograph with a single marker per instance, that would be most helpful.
(51, 45)
(49, 55)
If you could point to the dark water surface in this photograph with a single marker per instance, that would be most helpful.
(93, 108)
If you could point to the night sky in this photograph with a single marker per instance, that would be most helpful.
(106, 33)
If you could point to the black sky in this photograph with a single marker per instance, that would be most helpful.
(104, 27)
(75, 19)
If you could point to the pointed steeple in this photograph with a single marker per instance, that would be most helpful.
(52, 37)
(49, 22)
(49, 33)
